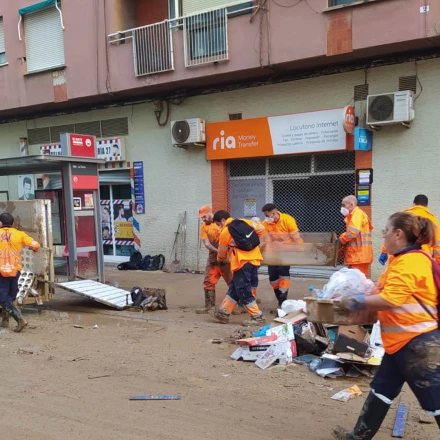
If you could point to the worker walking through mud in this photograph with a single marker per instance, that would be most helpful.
(11, 245)
(239, 241)
(357, 245)
(285, 228)
(209, 234)
(407, 301)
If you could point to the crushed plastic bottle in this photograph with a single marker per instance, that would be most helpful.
(316, 293)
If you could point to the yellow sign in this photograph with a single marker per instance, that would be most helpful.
(123, 229)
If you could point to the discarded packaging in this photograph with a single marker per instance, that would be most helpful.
(257, 341)
(347, 394)
(347, 282)
(283, 332)
(293, 305)
(269, 357)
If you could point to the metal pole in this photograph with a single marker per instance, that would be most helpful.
(70, 217)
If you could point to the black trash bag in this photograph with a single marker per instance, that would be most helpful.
(305, 346)
(137, 296)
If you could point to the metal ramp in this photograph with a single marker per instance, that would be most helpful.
(103, 293)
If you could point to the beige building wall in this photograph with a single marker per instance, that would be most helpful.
(405, 160)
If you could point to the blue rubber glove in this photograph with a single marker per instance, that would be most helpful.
(383, 258)
(350, 304)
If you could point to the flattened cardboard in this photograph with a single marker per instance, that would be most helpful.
(344, 344)
(257, 341)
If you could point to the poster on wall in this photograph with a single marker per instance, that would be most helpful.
(138, 178)
(26, 189)
(123, 215)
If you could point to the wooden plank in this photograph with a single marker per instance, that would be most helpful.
(400, 422)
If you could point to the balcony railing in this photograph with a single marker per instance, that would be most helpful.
(205, 39)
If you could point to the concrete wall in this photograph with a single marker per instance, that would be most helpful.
(405, 161)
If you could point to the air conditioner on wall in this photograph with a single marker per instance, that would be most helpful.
(188, 132)
(390, 108)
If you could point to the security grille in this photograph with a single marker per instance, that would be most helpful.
(308, 187)
(361, 92)
(58, 129)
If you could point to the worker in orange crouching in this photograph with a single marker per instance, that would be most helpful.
(420, 209)
(239, 242)
(209, 234)
(356, 242)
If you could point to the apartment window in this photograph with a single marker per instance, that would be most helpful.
(2, 43)
(44, 38)
(206, 37)
(174, 9)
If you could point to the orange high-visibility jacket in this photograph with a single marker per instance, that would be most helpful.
(286, 223)
(17, 239)
(237, 257)
(357, 238)
(423, 211)
(407, 275)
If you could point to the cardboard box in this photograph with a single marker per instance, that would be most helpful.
(344, 344)
(257, 341)
(284, 332)
(254, 352)
(271, 355)
(354, 331)
(292, 318)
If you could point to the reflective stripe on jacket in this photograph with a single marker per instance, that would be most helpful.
(357, 238)
(423, 211)
(286, 223)
(406, 276)
(18, 239)
(237, 257)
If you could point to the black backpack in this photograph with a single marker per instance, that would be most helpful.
(150, 263)
(244, 235)
(133, 263)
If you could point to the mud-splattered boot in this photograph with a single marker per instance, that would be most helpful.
(209, 302)
(372, 415)
(15, 313)
(221, 315)
(437, 419)
(256, 321)
(5, 318)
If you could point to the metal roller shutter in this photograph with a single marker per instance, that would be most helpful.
(2, 37)
(44, 40)
(192, 6)
(114, 177)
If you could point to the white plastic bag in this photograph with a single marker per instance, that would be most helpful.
(293, 305)
(347, 282)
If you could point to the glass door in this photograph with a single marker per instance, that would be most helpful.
(117, 222)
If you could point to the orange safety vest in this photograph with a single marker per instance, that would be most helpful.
(407, 275)
(423, 211)
(287, 224)
(357, 239)
(17, 239)
(237, 257)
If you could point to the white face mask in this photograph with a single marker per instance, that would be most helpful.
(269, 219)
(344, 211)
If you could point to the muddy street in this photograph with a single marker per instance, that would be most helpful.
(70, 374)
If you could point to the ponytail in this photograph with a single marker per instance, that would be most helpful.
(416, 229)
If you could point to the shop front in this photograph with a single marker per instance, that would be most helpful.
(305, 163)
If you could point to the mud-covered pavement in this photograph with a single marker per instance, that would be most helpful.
(62, 382)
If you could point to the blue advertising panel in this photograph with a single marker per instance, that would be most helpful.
(138, 179)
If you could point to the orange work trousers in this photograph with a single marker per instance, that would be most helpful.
(364, 268)
(213, 272)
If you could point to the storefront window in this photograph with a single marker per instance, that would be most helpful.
(117, 221)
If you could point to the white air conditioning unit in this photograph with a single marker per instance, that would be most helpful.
(188, 131)
(390, 108)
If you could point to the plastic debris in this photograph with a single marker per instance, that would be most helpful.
(347, 394)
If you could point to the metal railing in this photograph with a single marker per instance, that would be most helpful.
(152, 47)
(205, 39)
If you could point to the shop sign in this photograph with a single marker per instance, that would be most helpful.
(363, 195)
(363, 139)
(138, 181)
(78, 145)
(52, 150)
(349, 119)
(271, 136)
(84, 176)
(111, 150)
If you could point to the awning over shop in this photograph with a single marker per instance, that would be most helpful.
(36, 7)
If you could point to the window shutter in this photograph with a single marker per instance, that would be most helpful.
(44, 40)
(2, 37)
(193, 6)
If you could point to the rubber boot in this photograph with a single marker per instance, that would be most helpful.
(437, 419)
(15, 313)
(281, 297)
(221, 315)
(372, 415)
(209, 302)
(5, 318)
